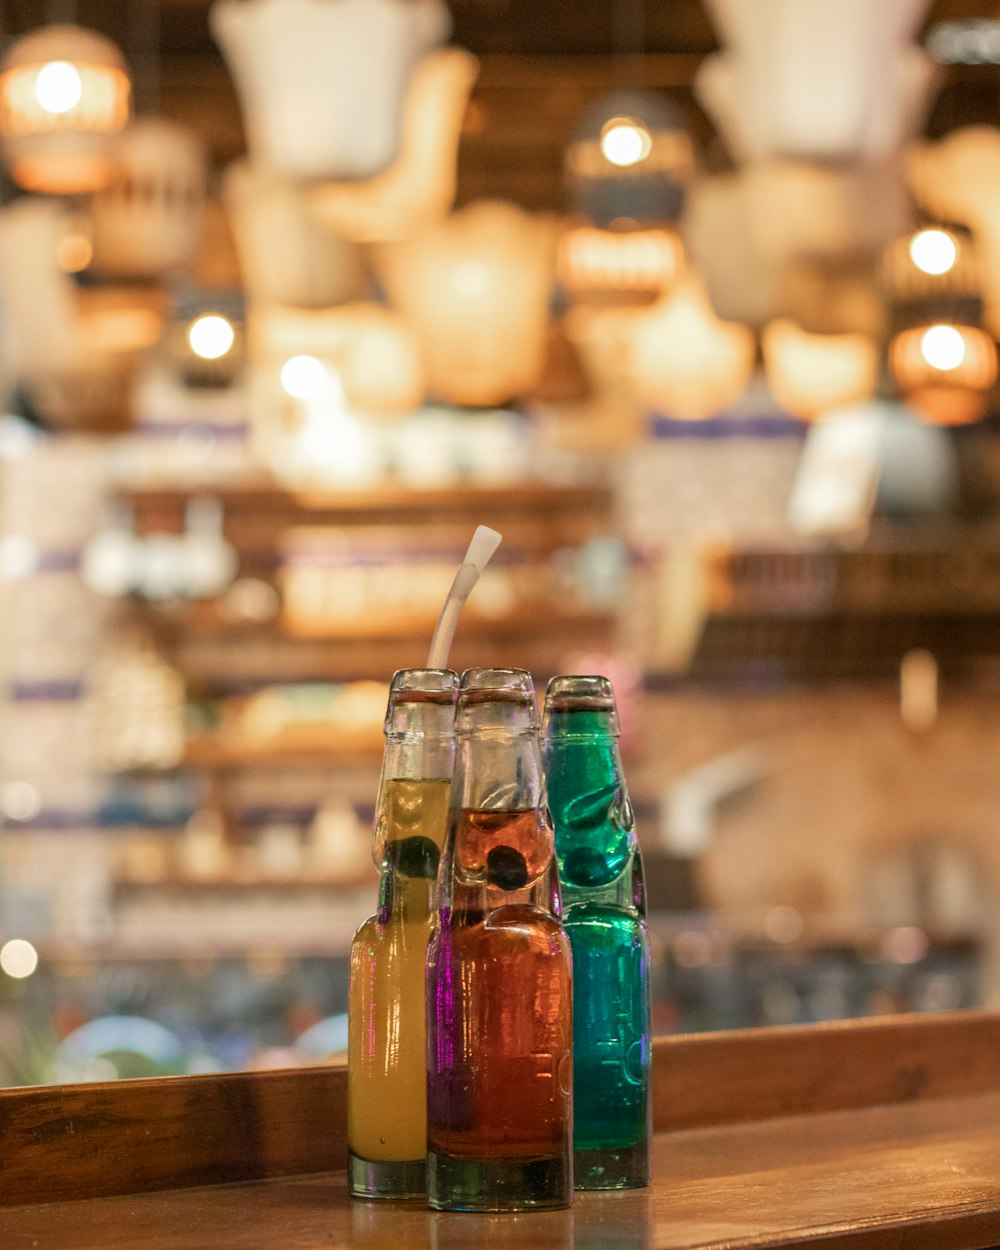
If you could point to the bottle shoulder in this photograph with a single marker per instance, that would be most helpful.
(597, 914)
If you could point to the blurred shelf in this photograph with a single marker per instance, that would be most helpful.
(213, 754)
(387, 503)
(207, 621)
(191, 885)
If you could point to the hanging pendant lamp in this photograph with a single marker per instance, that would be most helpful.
(64, 94)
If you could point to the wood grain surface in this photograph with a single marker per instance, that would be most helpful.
(911, 1176)
(62, 1143)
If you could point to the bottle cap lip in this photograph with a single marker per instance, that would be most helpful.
(568, 692)
(423, 685)
(481, 686)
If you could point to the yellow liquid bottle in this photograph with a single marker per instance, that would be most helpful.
(387, 1070)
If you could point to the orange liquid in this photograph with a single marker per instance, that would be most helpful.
(500, 995)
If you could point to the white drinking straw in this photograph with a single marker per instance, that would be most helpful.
(484, 542)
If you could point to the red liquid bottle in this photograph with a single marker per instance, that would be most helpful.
(499, 973)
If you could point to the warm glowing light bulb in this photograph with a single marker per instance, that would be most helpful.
(211, 336)
(304, 377)
(58, 87)
(933, 251)
(625, 141)
(942, 347)
(18, 958)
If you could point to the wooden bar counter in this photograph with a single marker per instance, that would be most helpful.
(878, 1133)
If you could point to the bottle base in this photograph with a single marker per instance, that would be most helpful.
(615, 1167)
(498, 1184)
(382, 1178)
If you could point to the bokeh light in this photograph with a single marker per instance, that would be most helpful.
(625, 141)
(943, 347)
(211, 336)
(18, 958)
(58, 87)
(933, 251)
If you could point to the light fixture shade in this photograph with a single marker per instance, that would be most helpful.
(591, 260)
(743, 281)
(810, 80)
(648, 185)
(75, 361)
(802, 209)
(285, 255)
(685, 362)
(373, 350)
(932, 274)
(810, 374)
(64, 92)
(147, 221)
(477, 290)
(418, 189)
(958, 179)
(949, 391)
(322, 82)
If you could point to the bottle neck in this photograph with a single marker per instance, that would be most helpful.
(596, 841)
(500, 839)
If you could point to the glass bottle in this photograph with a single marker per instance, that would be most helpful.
(386, 1076)
(600, 870)
(499, 976)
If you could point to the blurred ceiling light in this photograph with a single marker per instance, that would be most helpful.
(73, 349)
(211, 336)
(64, 93)
(372, 353)
(685, 361)
(625, 141)
(933, 251)
(18, 958)
(957, 179)
(591, 259)
(148, 220)
(944, 370)
(305, 377)
(810, 374)
(943, 347)
(631, 157)
(287, 256)
(58, 87)
(476, 289)
(418, 189)
(322, 85)
(814, 81)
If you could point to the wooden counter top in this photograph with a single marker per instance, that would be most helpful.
(897, 1147)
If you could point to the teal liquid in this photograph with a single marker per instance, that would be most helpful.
(600, 873)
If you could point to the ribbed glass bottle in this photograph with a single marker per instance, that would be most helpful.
(600, 870)
(387, 1076)
(499, 977)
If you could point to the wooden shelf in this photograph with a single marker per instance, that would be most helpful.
(386, 503)
(219, 756)
(862, 1135)
(204, 621)
(242, 885)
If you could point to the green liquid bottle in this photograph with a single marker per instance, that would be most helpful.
(603, 912)
(386, 1073)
